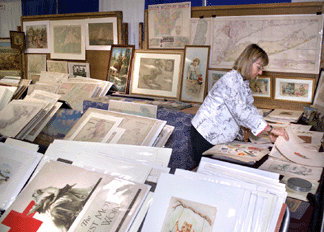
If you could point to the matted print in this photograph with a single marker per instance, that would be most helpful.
(120, 64)
(157, 73)
(184, 215)
(67, 39)
(101, 33)
(79, 69)
(261, 87)
(57, 66)
(37, 36)
(36, 64)
(294, 89)
(194, 80)
(213, 77)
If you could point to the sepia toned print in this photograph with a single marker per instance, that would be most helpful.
(188, 216)
(156, 74)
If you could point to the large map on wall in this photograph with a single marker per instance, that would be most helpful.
(293, 42)
(169, 25)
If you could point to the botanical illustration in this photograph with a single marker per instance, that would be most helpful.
(119, 67)
(156, 74)
(188, 216)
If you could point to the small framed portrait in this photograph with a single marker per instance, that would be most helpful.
(194, 79)
(17, 40)
(157, 73)
(294, 89)
(120, 65)
(261, 87)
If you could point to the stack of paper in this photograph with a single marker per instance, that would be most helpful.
(25, 118)
(97, 125)
(6, 94)
(134, 163)
(298, 157)
(16, 166)
(284, 116)
(63, 197)
(239, 152)
(219, 197)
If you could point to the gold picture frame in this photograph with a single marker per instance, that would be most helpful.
(157, 73)
(17, 40)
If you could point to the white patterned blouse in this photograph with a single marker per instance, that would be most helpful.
(228, 105)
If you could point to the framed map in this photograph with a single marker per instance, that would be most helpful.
(57, 66)
(157, 73)
(101, 33)
(292, 42)
(67, 39)
(169, 25)
(294, 89)
(200, 31)
(37, 36)
(261, 87)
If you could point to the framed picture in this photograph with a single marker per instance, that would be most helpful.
(319, 92)
(120, 64)
(37, 35)
(194, 80)
(10, 59)
(261, 87)
(67, 39)
(213, 77)
(17, 40)
(101, 33)
(36, 64)
(57, 66)
(157, 73)
(294, 89)
(79, 69)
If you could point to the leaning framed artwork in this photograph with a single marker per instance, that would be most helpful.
(194, 79)
(101, 33)
(213, 77)
(319, 93)
(157, 73)
(120, 64)
(37, 36)
(67, 39)
(294, 89)
(17, 40)
(261, 87)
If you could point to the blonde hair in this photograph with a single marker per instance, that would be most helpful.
(250, 54)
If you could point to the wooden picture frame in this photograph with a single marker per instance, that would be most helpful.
(157, 73)
(67, 39)
(120, 67)
(261, 87)
(213, 77)
(294, 89)
(319, 92)
(17, 40)
(101, 33)
(194, 80)
(37, 35)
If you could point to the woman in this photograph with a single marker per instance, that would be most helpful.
(229, 106)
